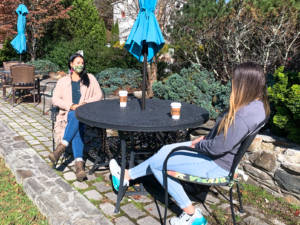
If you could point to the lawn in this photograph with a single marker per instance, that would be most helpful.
(256, 197)
(269, 205)
(15, 206)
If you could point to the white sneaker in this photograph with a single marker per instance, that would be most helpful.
(186, 219)
(115, 171)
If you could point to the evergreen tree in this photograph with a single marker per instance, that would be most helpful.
(115, 33)
(85, 23)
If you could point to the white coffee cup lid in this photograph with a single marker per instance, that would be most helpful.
(123, 92)
(176, 104)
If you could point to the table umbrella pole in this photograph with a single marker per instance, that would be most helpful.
(144, 76)
(145, 39)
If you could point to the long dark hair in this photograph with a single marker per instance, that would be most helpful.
(248, 84)
(83, 75)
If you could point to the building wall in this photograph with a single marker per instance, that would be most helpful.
(124, 12)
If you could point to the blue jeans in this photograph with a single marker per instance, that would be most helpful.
(191, 163)
(74, 133)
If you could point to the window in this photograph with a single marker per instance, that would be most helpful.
(123, 14)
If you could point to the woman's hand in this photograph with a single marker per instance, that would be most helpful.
(74, 107)
(194, 142)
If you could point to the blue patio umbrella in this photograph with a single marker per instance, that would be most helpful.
(19, 42)
(145, 38)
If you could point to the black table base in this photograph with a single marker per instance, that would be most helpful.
(100, 156)
(154, 142)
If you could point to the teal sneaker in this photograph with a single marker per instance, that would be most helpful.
(115, 171)
(186, 219)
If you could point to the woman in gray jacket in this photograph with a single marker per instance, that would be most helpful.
(248, 107)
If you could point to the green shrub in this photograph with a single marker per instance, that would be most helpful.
(84, 30)
(8, 53)
(114, 33)
(62, 51)
(44, 66)
(285, 101)
(113, 79)
(84, 22)
(97, 57)
(105, 58)
(197, 87)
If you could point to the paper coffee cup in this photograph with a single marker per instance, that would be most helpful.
(123, 98)
(175, 110)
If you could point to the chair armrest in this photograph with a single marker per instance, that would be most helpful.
(104, 95)
(190, 130)
(51, 94)
(179, 148)
(47, 83)
(54, 111)
(202, 128)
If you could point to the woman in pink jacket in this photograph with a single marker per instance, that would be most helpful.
(72, 91)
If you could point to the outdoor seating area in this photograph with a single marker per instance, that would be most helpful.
(33, 131)
(22, 79)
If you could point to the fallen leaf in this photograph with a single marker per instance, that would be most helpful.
(136, 197)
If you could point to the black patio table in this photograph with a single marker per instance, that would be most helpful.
(155, 118)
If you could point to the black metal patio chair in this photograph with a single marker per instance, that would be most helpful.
(52, 86)
(95, 153)
(228, 181)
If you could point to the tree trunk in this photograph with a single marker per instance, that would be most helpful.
(152, 77)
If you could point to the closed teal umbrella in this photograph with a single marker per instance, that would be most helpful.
(19, 42)
(145, 38)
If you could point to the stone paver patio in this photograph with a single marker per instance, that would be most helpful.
(25, 143)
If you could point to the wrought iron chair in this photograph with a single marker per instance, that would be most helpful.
(228, 181)
(53, 113)
(95, 154)
(5, 83)
(50, 84)
(5, 76)
(23, 78)
(53, 109)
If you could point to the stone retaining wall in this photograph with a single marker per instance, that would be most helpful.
(53, 196)
(274, 164)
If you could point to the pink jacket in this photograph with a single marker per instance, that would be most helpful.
(62, 97)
